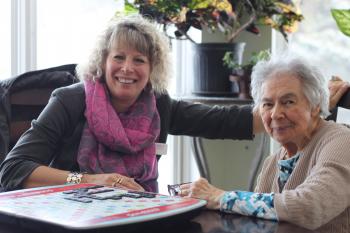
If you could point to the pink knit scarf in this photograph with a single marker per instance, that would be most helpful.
(119, 142)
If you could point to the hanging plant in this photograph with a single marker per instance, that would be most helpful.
(229, 17)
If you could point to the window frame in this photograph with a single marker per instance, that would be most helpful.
(23, 36)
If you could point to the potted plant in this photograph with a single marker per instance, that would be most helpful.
(240, 73)
(230, 17)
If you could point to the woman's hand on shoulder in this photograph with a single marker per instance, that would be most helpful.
(201, 189)
(113, 180)
(337, 88)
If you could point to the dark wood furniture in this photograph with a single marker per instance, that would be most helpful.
(206, 222)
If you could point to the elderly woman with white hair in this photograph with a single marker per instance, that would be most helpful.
(307, 181)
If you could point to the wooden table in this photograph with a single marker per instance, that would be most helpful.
(206, 222)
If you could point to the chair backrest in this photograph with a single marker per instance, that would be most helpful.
(24, 97)
(26, 105)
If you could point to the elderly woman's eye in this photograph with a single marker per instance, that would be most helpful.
(289, 102)
(267, 105)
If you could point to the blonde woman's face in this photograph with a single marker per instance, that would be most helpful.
(127, 73)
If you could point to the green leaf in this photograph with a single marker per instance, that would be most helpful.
(130, 8)
(200, 4)
(342, 17)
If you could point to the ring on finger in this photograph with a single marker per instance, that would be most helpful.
(119, 180)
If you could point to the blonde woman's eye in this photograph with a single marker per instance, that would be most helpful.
(140, 60)
(119, 57)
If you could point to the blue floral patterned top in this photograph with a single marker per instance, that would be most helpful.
(259, 205)
(285, 169)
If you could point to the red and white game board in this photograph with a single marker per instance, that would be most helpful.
(88, 206)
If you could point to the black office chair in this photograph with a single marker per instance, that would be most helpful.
(23, 98)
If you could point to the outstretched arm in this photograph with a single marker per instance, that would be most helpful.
(238, 202)
(45, 176)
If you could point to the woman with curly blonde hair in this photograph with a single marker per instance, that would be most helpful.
(107, 129)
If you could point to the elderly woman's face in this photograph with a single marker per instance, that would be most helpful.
(286, 113)
(127, 72)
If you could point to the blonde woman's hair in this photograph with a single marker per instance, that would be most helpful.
(137, 32)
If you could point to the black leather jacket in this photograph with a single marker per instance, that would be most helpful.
(54, 137)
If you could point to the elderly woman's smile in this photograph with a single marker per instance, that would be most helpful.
(286, 112)
(280, 128)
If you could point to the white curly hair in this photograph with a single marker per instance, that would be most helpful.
(136, 32)
(313, 82)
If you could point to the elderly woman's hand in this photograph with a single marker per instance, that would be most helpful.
(112, 179)
(201, 189)
(337, 88)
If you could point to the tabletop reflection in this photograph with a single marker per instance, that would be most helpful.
(215, 222)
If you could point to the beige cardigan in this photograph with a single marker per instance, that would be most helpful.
(317, 192)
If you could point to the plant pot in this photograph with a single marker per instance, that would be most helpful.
(211, 77)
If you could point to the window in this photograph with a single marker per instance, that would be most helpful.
(318, 36)
(66, 29)
(5, 38)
